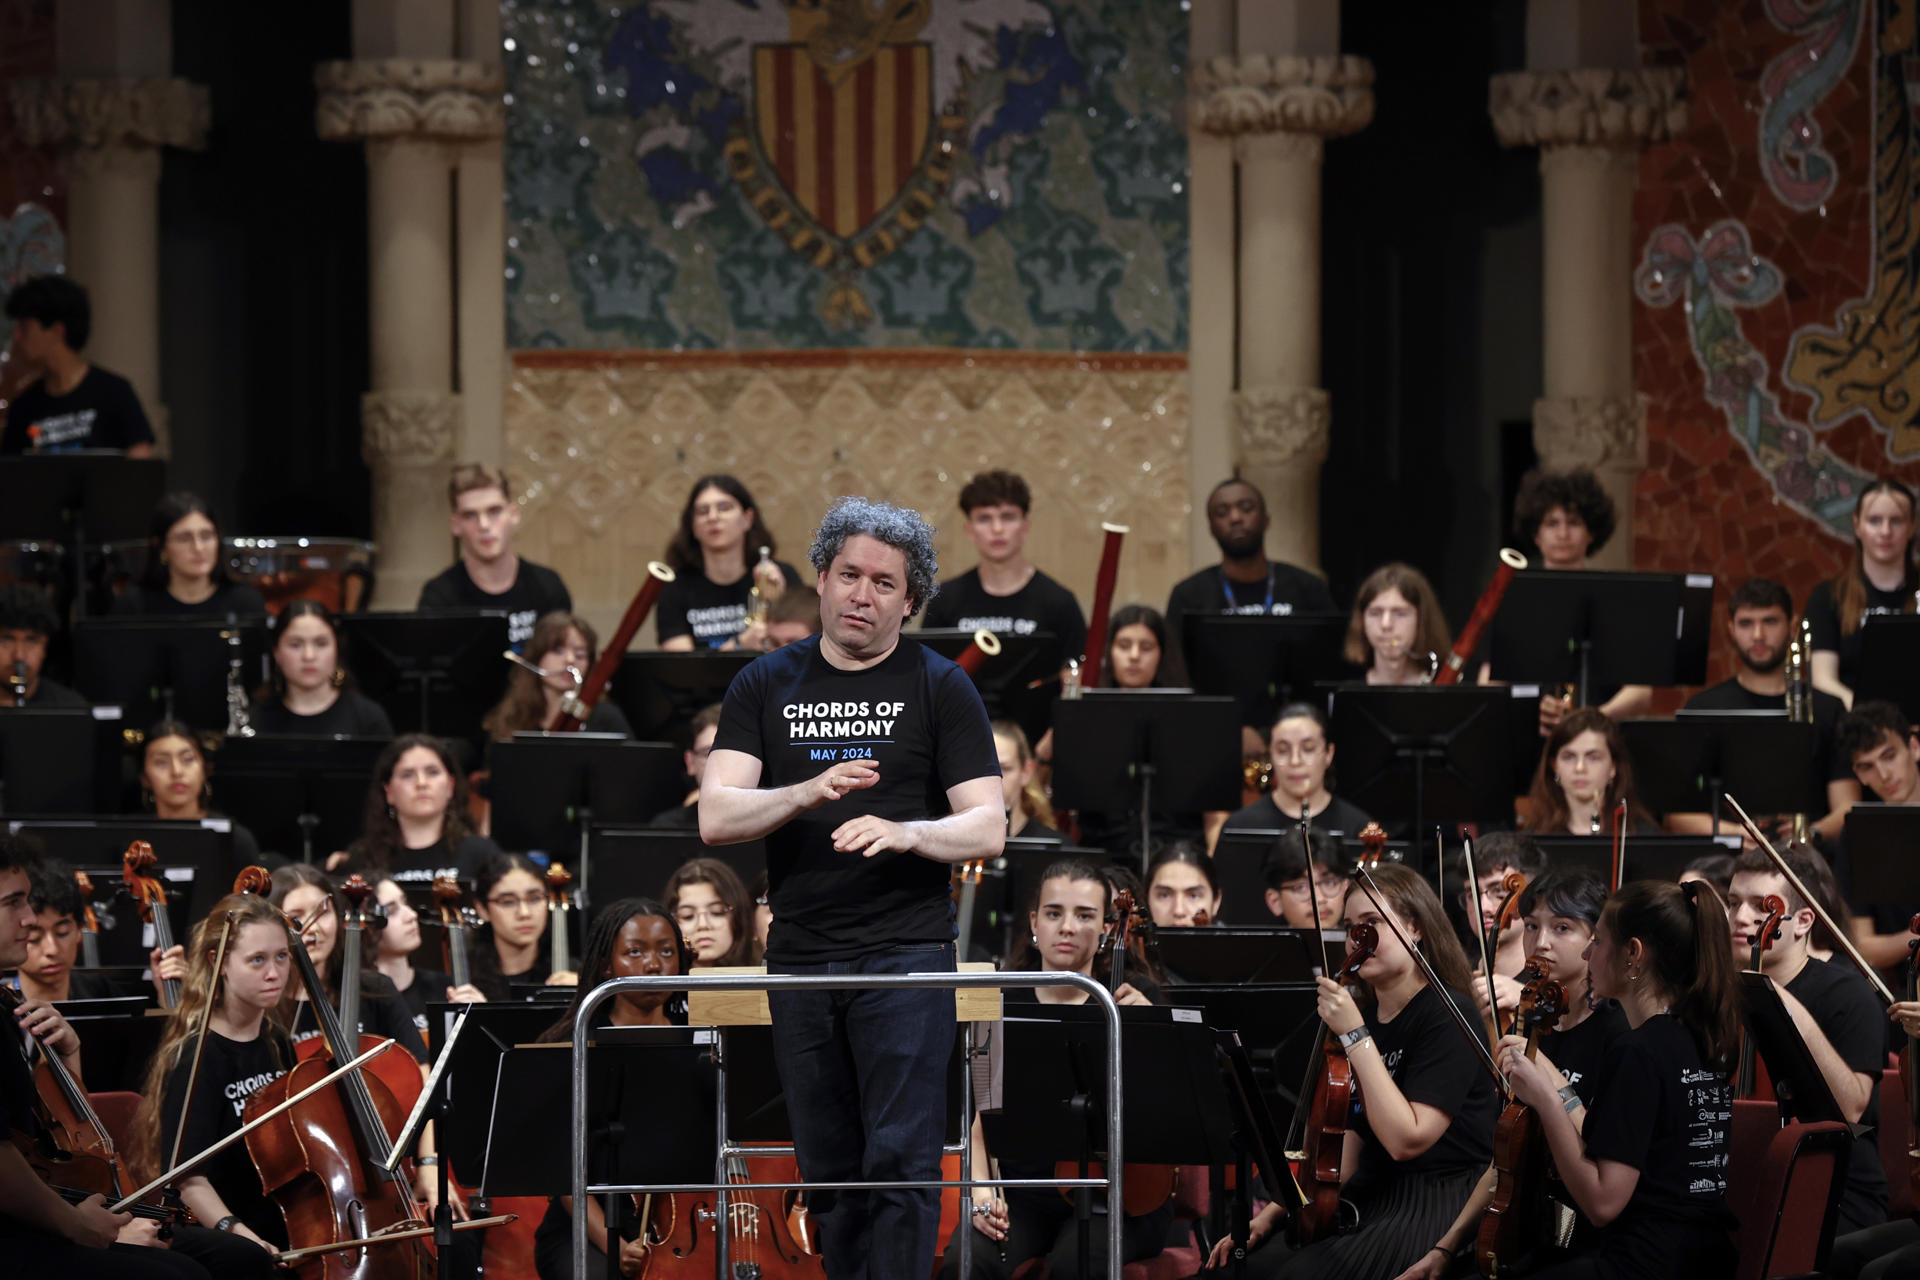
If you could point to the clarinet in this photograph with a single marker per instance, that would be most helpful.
(239, 717)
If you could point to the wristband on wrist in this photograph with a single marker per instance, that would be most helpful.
(1570, 1100)
(426, 1162)
(1349, 1040)
(227, 1223)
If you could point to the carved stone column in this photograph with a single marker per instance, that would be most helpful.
(1279, 111)
(413, 115)
(111, 132)
(1590, 125)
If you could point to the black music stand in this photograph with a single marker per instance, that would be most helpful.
(1882, 842)
(1020, 683)
(166, 668)
(1797, 1083)
(1227, 956)
(81, 499)
(437, 672)
(300, 793)
(195, 859)
(1174, 1107)
(1263, 663)
(1888, 672)
(58, 760)
(548, 788)
(1435, 753)
(1128, 751)
(635, 862)
(1257, 1142)
(661, 691)
(1687, 764)
(1659, 857)
(1240, 860)
(118, 1037)
(1592, 629)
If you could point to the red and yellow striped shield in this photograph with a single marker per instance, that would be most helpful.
(843, 147)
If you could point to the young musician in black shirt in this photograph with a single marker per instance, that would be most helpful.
(717, 567)
(1397, 634)
(1881, 577)
(1302, 755)
(26, 624)
(1286, 867)
(310, 692)
(74, 404)
(1005, 592)
(488, 574)
(416, 826)
(418, 985)
(1585, 771)
(53, 944)
(561, 644)
(1245, 581)
(175, 786)
(1495, 855)
(186, 574)
(1883, 748)
(1647, 1164)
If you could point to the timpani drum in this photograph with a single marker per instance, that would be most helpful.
(338, 572)
(38, 564)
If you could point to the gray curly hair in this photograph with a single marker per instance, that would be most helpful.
(898, 527)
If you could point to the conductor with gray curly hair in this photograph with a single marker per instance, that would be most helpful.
(866, 763)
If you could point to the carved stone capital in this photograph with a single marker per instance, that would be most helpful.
(1596, 432)
(402, 97)
(1601, 106)
(84, 114)
(139, 163)
(1287, 148)
(408, 428)
(1280, 427)
(1327, 97)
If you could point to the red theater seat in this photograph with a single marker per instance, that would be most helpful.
(1783, 1184)
(1896, 1138)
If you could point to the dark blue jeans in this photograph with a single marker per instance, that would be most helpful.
(865, 1077)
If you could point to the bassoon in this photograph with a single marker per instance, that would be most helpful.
(1511, 562)
(578, 705)
(1103, 586)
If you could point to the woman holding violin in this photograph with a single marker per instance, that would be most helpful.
(1559, 912)
(1419, 1140)
(1068, 925)
(1647, 1165)
(631, 938)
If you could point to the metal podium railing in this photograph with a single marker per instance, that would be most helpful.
(583, 1029)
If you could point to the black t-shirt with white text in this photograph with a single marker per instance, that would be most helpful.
(1288, 589)
(1580, 1050)
(102, 412)
(695, 605)
(1855, 1025)
(383, 1013)
(1041, 605)
(415, 866)
(536, 591)
(1823, 620)
(919, 718)
(352, 715)
(1432, 1062)
(231, 1071)
(1658, 1109)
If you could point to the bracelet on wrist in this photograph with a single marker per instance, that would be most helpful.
(426, 1162)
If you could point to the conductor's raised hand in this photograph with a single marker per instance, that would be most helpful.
(839, 780)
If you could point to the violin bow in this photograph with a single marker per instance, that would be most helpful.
(1313, 894)
(1366, 882)
(393, 1236)
(1480, 931)
(195, 1161)
(1839, 934)
(1619, 843)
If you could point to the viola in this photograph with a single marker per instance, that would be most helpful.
(1746, 1078)
(140, 872)
(1318, 1213)
(324, 1160)
(1513, 1225)
(89, 922)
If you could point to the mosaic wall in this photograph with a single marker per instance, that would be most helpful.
(1777, 335)
(603, 447)
(745, 174)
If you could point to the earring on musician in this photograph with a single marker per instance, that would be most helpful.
(339, 678)
(392, 814)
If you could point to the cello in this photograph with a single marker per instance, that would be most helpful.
(1507, 1233)
(140, 872)
(399, 1072)
(89, 922)
(1746, 1079)
(457, 920)
(559, 914)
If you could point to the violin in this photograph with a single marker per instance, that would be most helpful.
(1319, 1211)
(559, 912)
(140, 872)
(1746, 1079)
(89, 922)
(1512, 1226)
(324, 1160)
(1512, 885)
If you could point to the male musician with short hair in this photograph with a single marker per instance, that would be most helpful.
(26, 624)
(53, 944)
(1245, 581)
(74, 404)
(1759, 626)
(1005, 592)
(1495, 855)
(859, 857)
(1833, 1008)
(488, 575)
(1881, 745)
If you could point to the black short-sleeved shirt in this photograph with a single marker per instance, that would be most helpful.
(352, 715)
(1657, 1108)
(383, 1013)
(229, 600)
(1041, 605)
(50, 694)
(1580, 1050)
(230, 1072)
(1288, 589)
(1826, 765)
(695, 605)
(415, 866)
(17, 1092)
(102, 412)
(1855, 1025)
(918, 716)
(536, 590)
(1432, 1063)
(1339, 818)
(1823, 619)
(429, 986)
